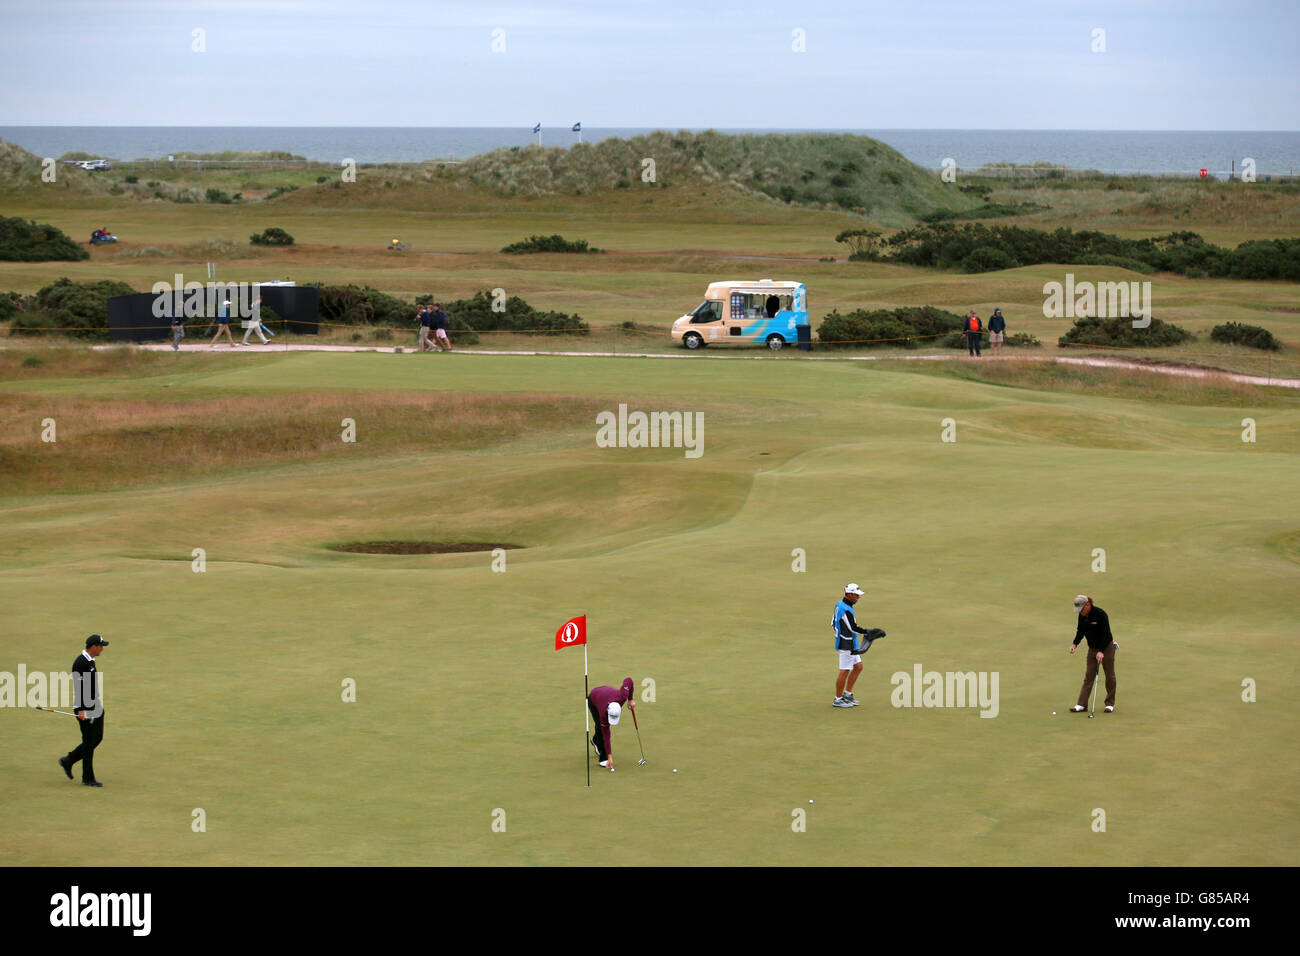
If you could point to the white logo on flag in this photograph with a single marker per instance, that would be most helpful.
(570, 633)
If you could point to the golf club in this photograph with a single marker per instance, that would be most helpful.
(641, 762)
(1092, 712)
(51, 710)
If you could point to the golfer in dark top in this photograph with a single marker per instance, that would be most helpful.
(1095, 626)
(606, 706)
(90, 711)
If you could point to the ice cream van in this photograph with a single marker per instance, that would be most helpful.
(747, 312)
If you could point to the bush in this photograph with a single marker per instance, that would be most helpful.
(555, 243)
(957, 340)
(131, 179)
(476, 313)
(1120, 331)
(79, 309)
(988, 259)
(906, 328)
(279, 191)
(218, 196)
(32, 361)
(1253, 336)
(27, 241)
(275, 236)
(945, 244)
(1120, 262)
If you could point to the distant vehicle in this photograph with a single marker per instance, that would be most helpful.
(90, 164)
(101, 235)
(746, 312)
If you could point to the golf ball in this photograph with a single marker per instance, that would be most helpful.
(674, 769)
(810, 801)
(1053, 713)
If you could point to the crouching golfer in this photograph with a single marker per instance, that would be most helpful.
(846, 644)
(606, 706)
(1095, 626)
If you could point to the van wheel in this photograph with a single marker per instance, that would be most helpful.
(693, 340)
(775, 342)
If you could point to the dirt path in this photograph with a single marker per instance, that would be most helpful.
(1189, 371)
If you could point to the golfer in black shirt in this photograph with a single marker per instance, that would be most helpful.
(1095, 626)
(90, 711)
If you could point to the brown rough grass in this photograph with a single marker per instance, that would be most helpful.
(114, 444)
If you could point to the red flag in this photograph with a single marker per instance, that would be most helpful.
(573, 632)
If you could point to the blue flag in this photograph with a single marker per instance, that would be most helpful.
(577, 127)
(537, 128)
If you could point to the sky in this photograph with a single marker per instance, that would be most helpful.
(914, 64)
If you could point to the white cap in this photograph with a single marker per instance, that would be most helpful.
(615, 712)
(853, 589)
(1080, 600)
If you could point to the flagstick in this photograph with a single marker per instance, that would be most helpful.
(586, 715)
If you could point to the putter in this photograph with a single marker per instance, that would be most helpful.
(51, 710)
(1096, 680)
(641, 762)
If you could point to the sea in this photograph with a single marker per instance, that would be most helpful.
(1118, 151)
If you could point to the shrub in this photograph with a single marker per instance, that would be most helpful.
(32, 361)
(79, 309)
(218, 196)
(555, 243)
(907, 327)
(1121, 262)
(1120, 331)
(279, 191)
(27, 241)
(864, 244)
(131, 179)
(274, 236)
(988, 259)
(1253, 336)
(476, 313)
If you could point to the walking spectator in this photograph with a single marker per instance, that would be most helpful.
(223, 325)
(442, 322)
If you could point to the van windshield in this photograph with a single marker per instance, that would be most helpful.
(707, 312)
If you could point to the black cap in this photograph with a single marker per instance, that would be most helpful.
(96, 640)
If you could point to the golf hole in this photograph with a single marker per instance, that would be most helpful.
(420, 547)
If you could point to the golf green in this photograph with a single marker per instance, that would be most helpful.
(709, 580)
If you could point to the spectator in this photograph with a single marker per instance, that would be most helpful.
(442, 323)
(997, 325)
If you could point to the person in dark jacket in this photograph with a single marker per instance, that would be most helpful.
(848, 646)
(973, 329)
(606, 706)
(89, 710)
(441, 323)
(997, 325)
(1095, 626)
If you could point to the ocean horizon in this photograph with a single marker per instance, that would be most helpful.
(1118, 151)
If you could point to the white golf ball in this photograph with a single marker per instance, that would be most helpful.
(674, 769)
(810, 801)
(1053, 713)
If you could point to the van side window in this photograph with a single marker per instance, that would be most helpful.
(707, 312)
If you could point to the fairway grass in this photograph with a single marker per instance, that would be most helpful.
(224, 689)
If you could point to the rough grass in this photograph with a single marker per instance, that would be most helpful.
(104, 444)
(1149, 386)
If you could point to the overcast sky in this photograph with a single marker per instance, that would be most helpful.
(923, 64)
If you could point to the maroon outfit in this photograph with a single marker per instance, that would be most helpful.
(598, 702)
